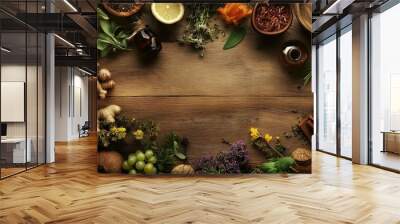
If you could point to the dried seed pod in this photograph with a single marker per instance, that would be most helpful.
(183, 169)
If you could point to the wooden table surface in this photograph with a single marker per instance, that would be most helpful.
(218, 96)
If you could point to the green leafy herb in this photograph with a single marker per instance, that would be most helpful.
(270, 149)
(198, 31)
(102, 15)
(278, 165)
(171, 152)
(112, 37)
(236, 36)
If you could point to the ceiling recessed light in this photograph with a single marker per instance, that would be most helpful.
(70, 5)
(337, 7)
(84, 71)
(64, 40)
(5, 50)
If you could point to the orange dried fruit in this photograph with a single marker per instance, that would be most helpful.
(233, 13)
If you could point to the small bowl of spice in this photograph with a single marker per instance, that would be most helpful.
(271, 19)
(122, 9)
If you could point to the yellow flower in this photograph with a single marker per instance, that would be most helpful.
(254, 133)
(121, 129)
(138, 134)
(268, 137)
(113, 130)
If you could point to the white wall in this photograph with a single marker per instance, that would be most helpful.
(360, 90)
(50, 95)
(16, 73)
(33, 127)
(62, 81)
(71, 102)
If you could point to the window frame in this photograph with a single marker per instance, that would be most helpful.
(337, 37)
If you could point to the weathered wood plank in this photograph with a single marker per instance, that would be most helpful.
(218, 96)
(206, 120)
(253, 68)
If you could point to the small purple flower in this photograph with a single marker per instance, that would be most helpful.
(232, 161)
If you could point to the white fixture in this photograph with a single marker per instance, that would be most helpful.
(64, 40)
(337, 7)
(84, 71)
(70, 5)
(5, 50)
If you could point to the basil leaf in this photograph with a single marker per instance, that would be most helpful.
(106, 27)
(101, 45)
(114, 27)
(105, 38)
(180, 156)
(102, 15)
(105, 52)
(124, 43)
(236, 36)
(176, 145)
(122, 35)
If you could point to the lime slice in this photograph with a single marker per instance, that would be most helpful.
(167, 13)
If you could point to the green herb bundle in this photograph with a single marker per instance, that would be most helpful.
(112, 37)
(278, 165)
(198, 31)
(171, 152)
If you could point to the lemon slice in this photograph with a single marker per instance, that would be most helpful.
(167, 13)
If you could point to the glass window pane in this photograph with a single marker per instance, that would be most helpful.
(346, 94)
(385, 116)
(41, 99)
(31, 97)
(327, 96)
(13, 85)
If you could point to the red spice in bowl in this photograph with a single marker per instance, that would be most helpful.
(272, 19)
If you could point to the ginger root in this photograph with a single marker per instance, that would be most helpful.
(100, 91)
(108, 84)
(104, 75)
(108, 113)
(104, 82)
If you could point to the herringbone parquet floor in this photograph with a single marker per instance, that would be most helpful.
(71, 191)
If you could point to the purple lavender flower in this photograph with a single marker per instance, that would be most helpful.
(232, 161)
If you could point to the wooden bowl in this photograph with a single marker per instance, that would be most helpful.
(303, 14)
(260, 30)
(131, 8)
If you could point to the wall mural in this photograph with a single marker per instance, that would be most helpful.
(204, 89)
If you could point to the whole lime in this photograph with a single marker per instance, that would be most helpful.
(148, 168)
(132, 159)
(140, 156)
(138, 151)
(140, 165)
(152, 160)
(126, 166)
(154, 171)
(132, 171)
(149, 153)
